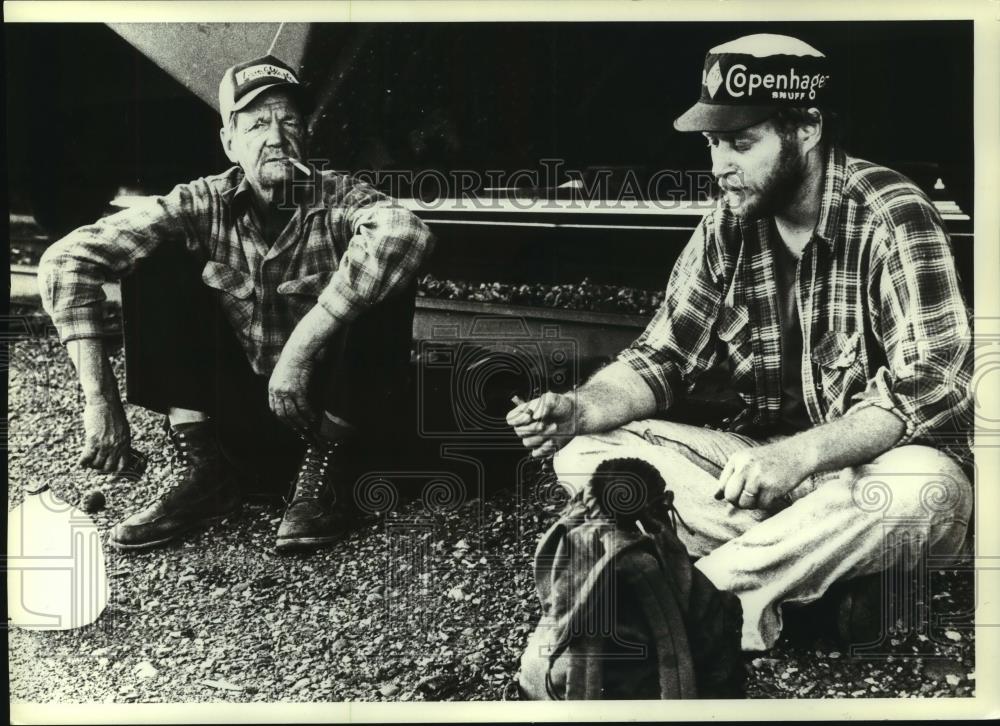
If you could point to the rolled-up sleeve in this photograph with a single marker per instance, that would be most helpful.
(678, 344)
(387, 245)
(72, 270)
(925, 333)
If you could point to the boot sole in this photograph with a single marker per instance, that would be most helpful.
(301, 544)
(153, 544)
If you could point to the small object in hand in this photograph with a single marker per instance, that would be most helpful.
(93, 501)
(518, 401)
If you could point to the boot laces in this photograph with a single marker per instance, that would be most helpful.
(312, 474)
(181, 445)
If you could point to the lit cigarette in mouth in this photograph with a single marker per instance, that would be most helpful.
(300, 166)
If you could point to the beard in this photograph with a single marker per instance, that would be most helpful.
(777, 189)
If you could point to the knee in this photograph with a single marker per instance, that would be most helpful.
(578, 446)
(574, 464)
(913, 484)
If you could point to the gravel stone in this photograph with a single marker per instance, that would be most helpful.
(222, 608)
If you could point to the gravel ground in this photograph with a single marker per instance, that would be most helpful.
(432, 601)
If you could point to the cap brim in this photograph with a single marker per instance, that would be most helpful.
(721, 117)
(249, 96)
(302, 98)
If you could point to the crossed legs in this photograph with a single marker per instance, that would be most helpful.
(838, 525)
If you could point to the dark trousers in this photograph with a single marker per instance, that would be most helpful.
(180, 351)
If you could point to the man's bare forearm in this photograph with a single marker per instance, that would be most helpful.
(94, 370)
(612, 397)
(848, 441)
(309, 338)
(617, 395)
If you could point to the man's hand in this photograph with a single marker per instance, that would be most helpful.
(106, 436)
(545, 424)
(759, 477)
(288, 392)
(105, 428)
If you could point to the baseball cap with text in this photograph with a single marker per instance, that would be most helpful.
(745, 80)
(243, 82)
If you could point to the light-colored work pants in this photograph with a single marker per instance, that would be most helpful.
(837, 525)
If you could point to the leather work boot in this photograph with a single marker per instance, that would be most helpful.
(852, 613)
(206, 493)
(310, 521)
(862, 610)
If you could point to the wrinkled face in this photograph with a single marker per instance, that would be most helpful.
(262, 136)
(759, 169)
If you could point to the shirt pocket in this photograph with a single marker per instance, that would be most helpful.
(838, 359)
(235, 290)
(734, 331)
(300, 294)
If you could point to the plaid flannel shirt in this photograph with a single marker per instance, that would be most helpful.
(882, 316)
(346, 248)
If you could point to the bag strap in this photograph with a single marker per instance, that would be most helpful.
(585, 676)
(615, 543)
(661, 607)
(546, 562)
(659, 597)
